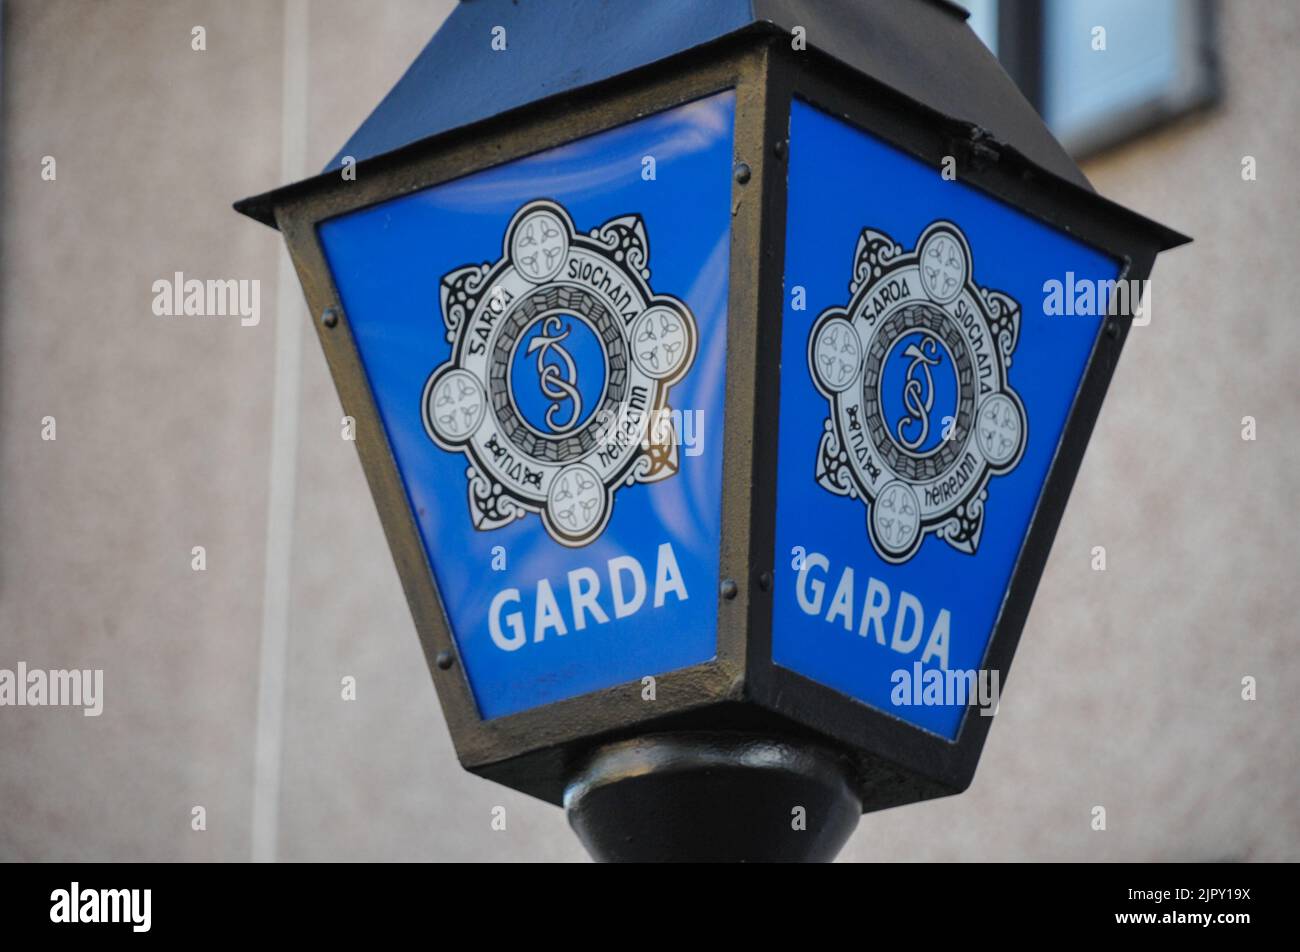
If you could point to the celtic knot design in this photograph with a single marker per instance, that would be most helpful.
(626, 238)
(1004, 321)
(459, 294)
(874, 253)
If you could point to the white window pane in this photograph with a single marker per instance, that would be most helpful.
(1150, 66)
(984, 21)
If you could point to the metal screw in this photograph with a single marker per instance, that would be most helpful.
(743, 173)
(729, 588)
(444, 661)
(330, 317)
(765, 581)
(1112, 329)
(779, 148)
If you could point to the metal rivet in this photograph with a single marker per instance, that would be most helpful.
(743, 173)
(729, 588)
(330, 317)
(779, 148)
(765, 581)
(444, 661)
(1112, 329)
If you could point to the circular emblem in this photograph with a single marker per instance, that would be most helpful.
(915, 369)
(836, 352)
(550, 394)
(576, 501)
(538, 244)
(1001, 422)
(453, 406)
(661, 342)
(896, 517)
(916, 407)
(562, 359)
(944, 265)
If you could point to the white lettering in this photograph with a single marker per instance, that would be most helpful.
(514, 621)
(908, 619)
(811, 606)
(556, 615)
(584, 586)
(668, 577)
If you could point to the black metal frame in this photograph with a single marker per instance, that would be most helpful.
(537, 750)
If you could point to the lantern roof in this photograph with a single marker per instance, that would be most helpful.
(923, 50)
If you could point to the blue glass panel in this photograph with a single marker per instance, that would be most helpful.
(925, 382)
(546, 344)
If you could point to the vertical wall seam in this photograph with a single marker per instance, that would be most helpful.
(282, 491)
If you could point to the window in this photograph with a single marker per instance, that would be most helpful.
(1102, 71)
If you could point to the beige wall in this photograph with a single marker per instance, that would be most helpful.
(1126, 689)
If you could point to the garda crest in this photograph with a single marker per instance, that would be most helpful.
(916, 373)
(561, 361)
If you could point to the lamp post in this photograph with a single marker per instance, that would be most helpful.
(716, 396)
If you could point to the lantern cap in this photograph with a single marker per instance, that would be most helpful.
(922, 49)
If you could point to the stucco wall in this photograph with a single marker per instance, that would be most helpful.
(177, 432)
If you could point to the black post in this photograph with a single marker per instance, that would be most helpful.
(712, 797)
